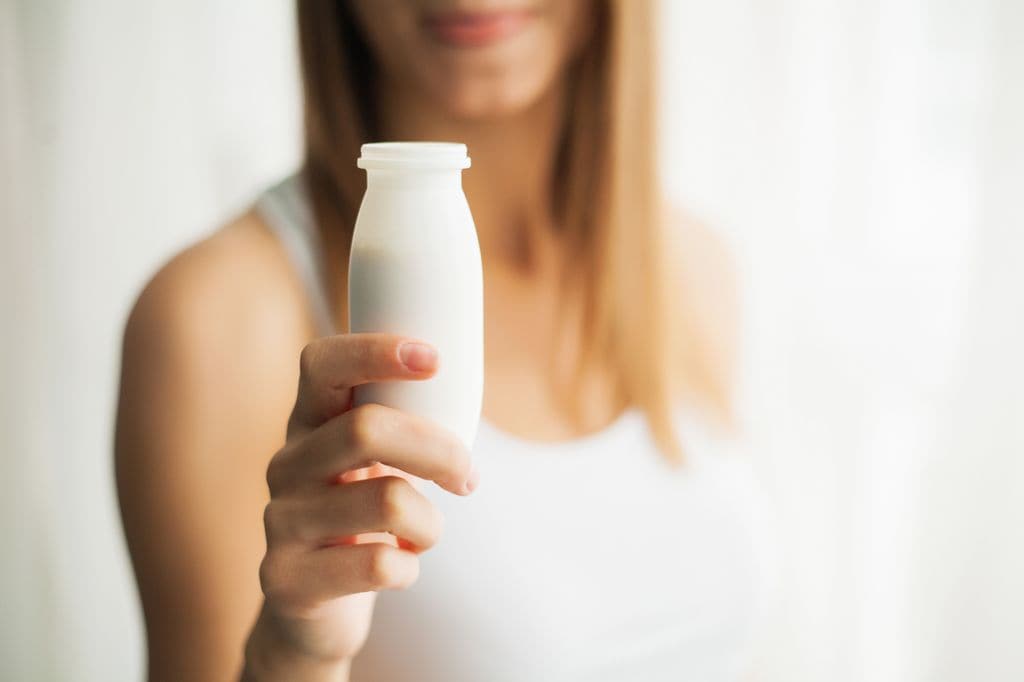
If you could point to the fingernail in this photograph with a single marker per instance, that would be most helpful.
(417, 357)
(473, 480)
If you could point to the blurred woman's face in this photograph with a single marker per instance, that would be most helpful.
(476, 58)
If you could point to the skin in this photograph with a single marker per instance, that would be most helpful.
(251, 558)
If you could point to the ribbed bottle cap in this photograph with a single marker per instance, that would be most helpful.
(413, 156)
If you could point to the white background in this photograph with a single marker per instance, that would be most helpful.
(864, 159)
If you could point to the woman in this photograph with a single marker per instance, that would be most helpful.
(597, 546)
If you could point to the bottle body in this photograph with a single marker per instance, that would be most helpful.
(415, 270)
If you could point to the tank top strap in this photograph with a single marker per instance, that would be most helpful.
(287, 211)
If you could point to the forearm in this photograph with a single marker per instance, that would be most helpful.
(269, 657)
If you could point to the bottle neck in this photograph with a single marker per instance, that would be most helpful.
(434, 179)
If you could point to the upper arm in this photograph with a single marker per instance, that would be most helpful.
(206, 385)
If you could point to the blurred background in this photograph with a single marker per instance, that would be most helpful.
(865, 160)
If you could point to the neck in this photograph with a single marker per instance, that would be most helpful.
(509, 184)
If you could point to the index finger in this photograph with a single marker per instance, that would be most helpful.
(331, 366)
(373, 434)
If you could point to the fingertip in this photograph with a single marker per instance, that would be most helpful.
(417, 356)
(472, 481)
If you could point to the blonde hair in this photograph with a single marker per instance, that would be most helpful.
(609, 205)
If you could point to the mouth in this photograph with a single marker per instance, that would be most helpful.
(476, 29)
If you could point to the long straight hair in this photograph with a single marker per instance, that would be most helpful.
(607, 204)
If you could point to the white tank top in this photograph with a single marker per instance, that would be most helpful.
(591, 560)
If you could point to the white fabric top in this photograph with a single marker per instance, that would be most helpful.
(592, 559)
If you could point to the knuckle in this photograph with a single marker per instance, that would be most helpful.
(273, 581)
(380, 566)
(282, 586)
(431, 526)
(274, 475)
(364, 424)
(307, 359)
(273, 522)
(269, 522)
(392, 494)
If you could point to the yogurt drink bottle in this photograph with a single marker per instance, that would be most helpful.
(415, 270)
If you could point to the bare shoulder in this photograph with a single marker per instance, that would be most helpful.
(214, 340)
(702, 272)
(235, 281)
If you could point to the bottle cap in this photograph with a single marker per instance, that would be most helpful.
(413, 156)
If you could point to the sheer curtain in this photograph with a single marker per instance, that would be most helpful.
(867, 161)
(864, 160)
(131, 128)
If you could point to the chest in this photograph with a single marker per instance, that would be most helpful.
(575, 568)
(532, 340)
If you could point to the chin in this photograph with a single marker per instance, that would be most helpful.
(471, 89)
(482, 102)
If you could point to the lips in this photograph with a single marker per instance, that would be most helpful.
(477, 29)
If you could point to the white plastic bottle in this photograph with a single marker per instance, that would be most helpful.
(415, 270)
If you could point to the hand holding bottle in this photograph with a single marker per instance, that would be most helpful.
(320, 571)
